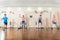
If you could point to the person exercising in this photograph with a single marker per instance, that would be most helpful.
(23, 21)
(54, 21)
(5, 20)
(40, 21)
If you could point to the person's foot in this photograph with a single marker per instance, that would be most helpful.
(42, 27)
(58, 28)
(51, 28)
(19, 28)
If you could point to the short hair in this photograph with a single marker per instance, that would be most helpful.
(40, 15)
(5, 14)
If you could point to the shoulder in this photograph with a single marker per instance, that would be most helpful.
(3, 17)
(6, 17)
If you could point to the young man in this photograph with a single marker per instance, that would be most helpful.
(5, 20)
(40, 21)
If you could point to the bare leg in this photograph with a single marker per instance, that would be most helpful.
(56, 25)
(52, 27)
(41, 24)
(6, 26)
(38, 25)
(22, 26)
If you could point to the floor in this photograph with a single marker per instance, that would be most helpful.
(32, 34)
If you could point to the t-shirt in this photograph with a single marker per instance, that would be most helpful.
(5, 19)
(40, 18)
(54, 19)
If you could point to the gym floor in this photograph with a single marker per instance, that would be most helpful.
(32, 34)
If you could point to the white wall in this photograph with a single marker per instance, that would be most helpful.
(26, 3)
(27, 11)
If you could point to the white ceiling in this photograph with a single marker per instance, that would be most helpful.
(32, 3)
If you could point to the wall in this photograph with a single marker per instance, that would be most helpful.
(14, 14)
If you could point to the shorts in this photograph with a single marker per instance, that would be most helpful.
(23, 22)
(5, 23)
(39, 21)
(53, 22)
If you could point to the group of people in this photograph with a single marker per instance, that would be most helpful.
(53, 20)
(5, 20)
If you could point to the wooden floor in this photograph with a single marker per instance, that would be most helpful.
(32, 34)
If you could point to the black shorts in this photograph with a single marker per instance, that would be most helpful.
(23, 22)
(5, 23)
(39, 21)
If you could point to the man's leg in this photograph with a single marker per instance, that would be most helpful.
(4, 27)
(39, 25)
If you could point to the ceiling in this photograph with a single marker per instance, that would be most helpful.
(29, 3)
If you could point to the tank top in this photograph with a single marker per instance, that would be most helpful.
(54, 19)
(23, 19)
